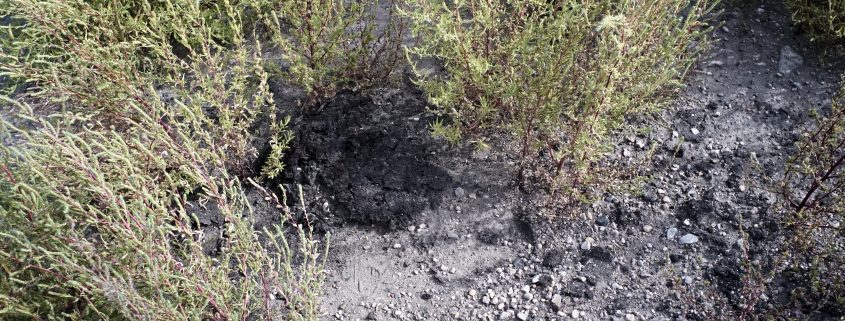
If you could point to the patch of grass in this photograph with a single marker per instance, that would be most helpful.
(112, 141)
(559, 77)
(824, 19)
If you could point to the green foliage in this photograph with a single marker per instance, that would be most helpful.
(452, 134)
(825, 19)
(110, 149)
(558, 76)
(330, 45)
(279, 143)
(86, 65)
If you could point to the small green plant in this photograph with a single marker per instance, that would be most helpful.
(113, 143)
(329, 45)
(560, 77)
(810, 258)
(825, 19)
(814, 211)
(451, 134)
(279, 143)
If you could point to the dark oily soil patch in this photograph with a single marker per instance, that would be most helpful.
(372, 161)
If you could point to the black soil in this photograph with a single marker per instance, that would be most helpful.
(374, 163)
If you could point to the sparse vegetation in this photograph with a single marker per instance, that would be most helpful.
(810, 255)
(328, 45)
(814, 209)
(810, 209)
(824, 19)
(113, 142)
(560, 77)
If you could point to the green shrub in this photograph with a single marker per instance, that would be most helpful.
(559, 76)
(113, 144)
(825, 19)
(85, 65)
(330, 45)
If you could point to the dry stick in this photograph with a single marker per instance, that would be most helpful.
(9, 174)
(817, 183)
(830, 170)
(399, 29)
(835, 188)
(529, 126)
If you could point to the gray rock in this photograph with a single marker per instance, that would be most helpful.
(506, 315)
(542, 280)
(587, 244)
(557, 302)
(688, 239)
(459, 192)
(671, 232)
(789, 60)
(602, 221)
(373, 315)
(522, 315)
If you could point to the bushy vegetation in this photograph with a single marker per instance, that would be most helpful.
(329, 45)
(824, 19)
(127, 117)
(559, 77)
(123, 119)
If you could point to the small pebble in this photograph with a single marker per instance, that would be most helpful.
(459, 192)
(671, 232)
(602, 221)
(688, 239)
(587, 244)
